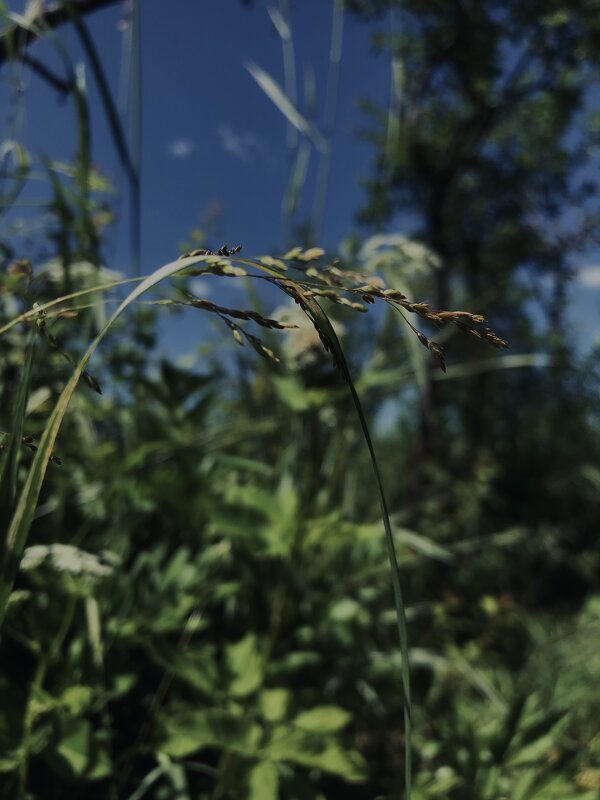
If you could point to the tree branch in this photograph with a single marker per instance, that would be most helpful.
(16, 38)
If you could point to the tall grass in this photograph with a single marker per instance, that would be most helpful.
(305, 288)
(310, 287)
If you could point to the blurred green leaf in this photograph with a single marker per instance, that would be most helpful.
(273, 704)
(322, 719)
(190, 731)
(264, 781)
(82, 753)
(316, 751)
(246, 665)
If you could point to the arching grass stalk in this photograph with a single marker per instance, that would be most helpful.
(321, 322)
(306, 286)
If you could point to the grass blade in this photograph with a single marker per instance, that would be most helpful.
(331, 97)
(321, 322)
(148, 782)
(9, 464)
(281, 20)
(35, 312)
(277, 96)
(297, 179)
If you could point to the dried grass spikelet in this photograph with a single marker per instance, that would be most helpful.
(240, 335)
(303, 346)
(42, 329)
(352, 289)
(335, 284)
(28, 441)
(238, 332)
(235, 313)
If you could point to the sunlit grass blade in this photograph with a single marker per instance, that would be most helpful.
(321, 321)
(9, 463)
(277, 96)
(282, 23)
(20, 172)
(393, 378)
(87, 231)
(297, 179)
(148, 782)
(331, 97)
(35, 312)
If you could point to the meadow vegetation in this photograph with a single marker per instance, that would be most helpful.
(214, 577)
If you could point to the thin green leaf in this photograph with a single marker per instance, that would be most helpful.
(278, 97)
(321, 322)
(297, 179)
(9, 463)
(37, 310)
(147, 782)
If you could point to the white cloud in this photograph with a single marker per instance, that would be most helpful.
(245, 145)
(181, 148)
(589, 277)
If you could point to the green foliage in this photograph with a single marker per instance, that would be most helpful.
(203, 607)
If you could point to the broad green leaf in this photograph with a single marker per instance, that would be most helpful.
(83, 753)
(190, 731)
(194, 665)
(322, 719)
(122, 684)
(556, 19)
(345, 610)
(313, 750)
(273, 704)
(263, 781)
(76, 698)
(246, 664)
(293, 662)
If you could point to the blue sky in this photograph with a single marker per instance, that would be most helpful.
(209, 133)
(210, 136)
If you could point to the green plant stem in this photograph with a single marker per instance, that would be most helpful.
(44, 661)
(28, 720)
